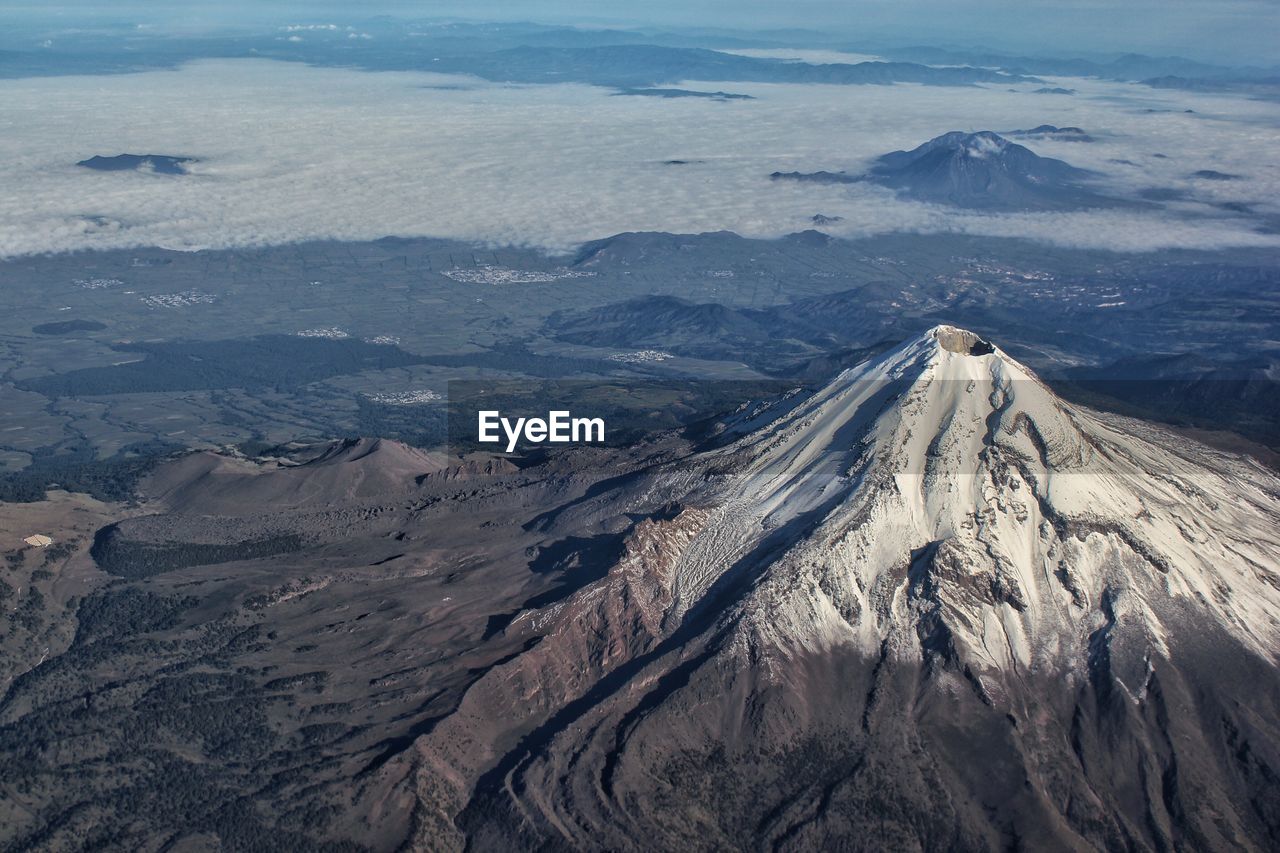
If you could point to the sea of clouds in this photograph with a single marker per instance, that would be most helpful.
(290, 152)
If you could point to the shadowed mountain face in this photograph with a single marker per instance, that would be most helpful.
(1187, 389)
(160, 164)
(929, 606)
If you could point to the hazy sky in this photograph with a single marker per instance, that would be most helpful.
(1240, 31)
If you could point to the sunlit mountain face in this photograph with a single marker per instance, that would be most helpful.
(529, 426)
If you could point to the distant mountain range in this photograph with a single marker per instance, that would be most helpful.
(684, 93)
(1265, 86)
(646, 65)
(1048, 131)
(1129, 67)
(635, 57)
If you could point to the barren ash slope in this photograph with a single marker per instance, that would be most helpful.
(931, 606)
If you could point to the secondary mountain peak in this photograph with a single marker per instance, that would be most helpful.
(981, 170)
(987, 171)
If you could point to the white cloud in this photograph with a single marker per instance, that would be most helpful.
(817, 57)
(290, 152)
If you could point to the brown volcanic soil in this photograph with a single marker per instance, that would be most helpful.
(301, 678)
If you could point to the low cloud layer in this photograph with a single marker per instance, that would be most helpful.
(289, 152)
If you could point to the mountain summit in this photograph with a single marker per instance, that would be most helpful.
(948, 456)
(975, 615)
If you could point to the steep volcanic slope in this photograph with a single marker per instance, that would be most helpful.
(931, 606)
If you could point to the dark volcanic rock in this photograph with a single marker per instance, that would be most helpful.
(161, 164)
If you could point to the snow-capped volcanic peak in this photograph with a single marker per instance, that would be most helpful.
(970, 403)
(983, 144)
(980, 144)
(933, 408)
(985, 171)
(942, 494)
